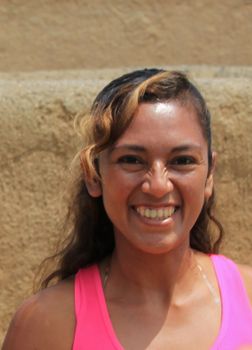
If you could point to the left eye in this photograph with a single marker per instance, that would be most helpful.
(183, 160)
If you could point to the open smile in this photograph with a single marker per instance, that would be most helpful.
(157, 214)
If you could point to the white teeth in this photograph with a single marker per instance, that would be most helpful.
(157, 214)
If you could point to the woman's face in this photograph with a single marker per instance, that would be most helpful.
(155, 178)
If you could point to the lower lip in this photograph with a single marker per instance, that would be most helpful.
(154, 222)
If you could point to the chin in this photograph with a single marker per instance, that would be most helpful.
(159, 244)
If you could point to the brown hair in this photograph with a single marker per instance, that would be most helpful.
(90, 235)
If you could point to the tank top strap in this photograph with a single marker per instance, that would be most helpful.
(236, 323)
(93, 326)
(230, 281)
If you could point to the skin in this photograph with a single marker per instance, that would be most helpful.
(155, 294)
(152, 174)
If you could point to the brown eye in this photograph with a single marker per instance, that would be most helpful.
(131, 163)
(183, 160)
(129, 160)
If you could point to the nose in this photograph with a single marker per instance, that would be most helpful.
(157, 182)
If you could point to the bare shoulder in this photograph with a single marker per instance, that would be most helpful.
(246, 272)
(42, 319)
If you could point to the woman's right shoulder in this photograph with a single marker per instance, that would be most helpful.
(41, 320)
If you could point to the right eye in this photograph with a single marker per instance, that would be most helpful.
(131, 163)
(129, 160)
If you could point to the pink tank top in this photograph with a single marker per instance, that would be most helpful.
(94, 330)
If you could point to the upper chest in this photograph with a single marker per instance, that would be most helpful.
(174, 328)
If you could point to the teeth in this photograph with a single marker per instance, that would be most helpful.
(157, 214)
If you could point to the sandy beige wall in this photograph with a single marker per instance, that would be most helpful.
(77, 34)
(37, 142)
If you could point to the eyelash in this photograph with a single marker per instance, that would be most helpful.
(130, 160)
(183, 161)
(179, 161)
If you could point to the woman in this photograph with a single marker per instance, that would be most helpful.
(140, 269)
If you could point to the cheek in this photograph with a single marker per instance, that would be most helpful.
(118, 182)
(193, 198)
(116, 188)
(193, 188)
(118, 191)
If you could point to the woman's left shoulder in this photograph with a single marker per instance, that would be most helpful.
(246, 273)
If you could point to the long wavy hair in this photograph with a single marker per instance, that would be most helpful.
(89, 231)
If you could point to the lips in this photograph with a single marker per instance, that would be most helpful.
(159, 214)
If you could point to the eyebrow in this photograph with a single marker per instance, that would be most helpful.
(129, 147)
(186, 147)
(138, 148)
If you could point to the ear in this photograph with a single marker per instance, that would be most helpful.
(92, 183)
(94, 187)
(210, 181)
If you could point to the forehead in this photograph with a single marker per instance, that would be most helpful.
(164, 123)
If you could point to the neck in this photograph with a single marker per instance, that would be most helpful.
(143, 274)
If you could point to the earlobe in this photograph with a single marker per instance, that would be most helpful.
(94, 188)
(209, 187)
(210, 181)
(92, 183)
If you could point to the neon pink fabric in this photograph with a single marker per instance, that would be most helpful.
(236, 325)
(94, 330)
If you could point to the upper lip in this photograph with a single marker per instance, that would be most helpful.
(156, 206)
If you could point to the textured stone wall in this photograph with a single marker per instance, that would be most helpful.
(80, 34)
(37, 143)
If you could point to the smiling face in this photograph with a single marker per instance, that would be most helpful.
(155, 177)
